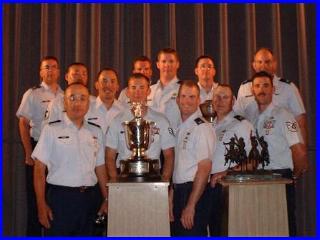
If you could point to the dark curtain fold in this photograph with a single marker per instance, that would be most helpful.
(101, 35)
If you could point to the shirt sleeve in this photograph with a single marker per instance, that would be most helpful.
(43, 149)
(205, 142)
(101, 151)
(112, 136)
(25, 109)
(295, 101)
(54, 111)
(290, 129)
(166, 134)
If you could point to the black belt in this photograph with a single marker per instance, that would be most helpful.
(71, 189)
(181, 185)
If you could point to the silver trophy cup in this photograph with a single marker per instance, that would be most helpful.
(139, 136)
(207, 110)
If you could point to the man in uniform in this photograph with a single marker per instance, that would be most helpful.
(164, 92)
(226, 125)
(76, 72)
(288, 155)
(205, 71)
(163, 139)
(195, 145)
(31, 114)
(286, 93)
(141, 64)
(106, 106)
(72, 150)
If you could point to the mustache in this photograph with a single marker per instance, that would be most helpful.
(261, 94)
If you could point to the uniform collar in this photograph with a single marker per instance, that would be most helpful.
(47, 88)
(228, 118)
(69, 123)
(275, 81)
(214, 85)
(190, 120)
(171, 85)
(268, 110)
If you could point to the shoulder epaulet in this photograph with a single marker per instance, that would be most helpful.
(246, 81)
(35, 87)
(94, 124)
(199, 121)
(239, 118)
(57, 121)
(285, 80)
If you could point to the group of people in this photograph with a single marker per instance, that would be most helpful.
(74, 141)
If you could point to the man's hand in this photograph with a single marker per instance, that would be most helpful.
(28, 160)
(103, 208)
(187, 217)
(45, 215)
(216, 177)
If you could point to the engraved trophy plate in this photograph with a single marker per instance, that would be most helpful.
(207, 110)
(139, 136)
(139, 167)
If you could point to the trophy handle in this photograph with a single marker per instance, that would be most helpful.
(127, 132)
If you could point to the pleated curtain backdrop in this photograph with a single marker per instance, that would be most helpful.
(101, 35)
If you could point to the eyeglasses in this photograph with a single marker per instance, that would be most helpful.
(48, 67)
(77, 97)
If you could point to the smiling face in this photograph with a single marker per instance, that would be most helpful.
(107, 85)
(138, 89)
(188, 100)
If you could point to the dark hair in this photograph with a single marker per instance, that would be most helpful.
(227, 86)
(76, 64)
(189, 84)
(108, 69)
(49, 58)
(141, 59)
(168, 51)
(262, 74)
(139, 75)
(203, 57)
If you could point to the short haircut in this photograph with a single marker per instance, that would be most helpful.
(138, 75)
(189, 84)
(263, 49)
(262, 74)
(141, 59)
(203, 57)
(76, 83)
(76, 64)
(226, 86)
(49, 58)
(108, 69)
(168, 51)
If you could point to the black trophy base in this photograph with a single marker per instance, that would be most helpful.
(140, 170)
(257, 175)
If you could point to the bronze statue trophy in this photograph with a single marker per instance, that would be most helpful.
(246, 168)
(207, 111)
(139, 136)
